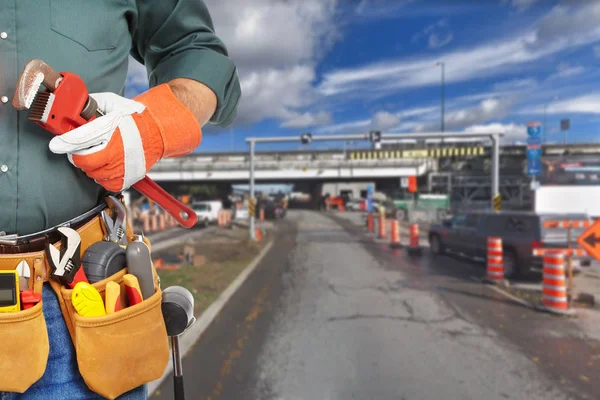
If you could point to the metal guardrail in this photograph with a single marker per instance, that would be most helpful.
(186, 165)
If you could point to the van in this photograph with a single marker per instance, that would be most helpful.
(521, 233)
(207, 211)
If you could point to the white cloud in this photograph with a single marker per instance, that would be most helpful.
(486, 110)
(384, 120)
(275, 45)
(563, 28)
(308, 119)
(438, 34)
(565, 70)
(516, 84)
(597, 51)
(512, 132)
(587, 104)
(521, 5)
(381, 8)
(350, 126)
(275, 93)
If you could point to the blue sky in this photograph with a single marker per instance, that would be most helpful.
(333, 67)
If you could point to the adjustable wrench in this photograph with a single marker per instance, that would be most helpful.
(66, 263)
(64, 105)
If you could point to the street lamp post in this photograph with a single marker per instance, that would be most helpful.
(440, 63)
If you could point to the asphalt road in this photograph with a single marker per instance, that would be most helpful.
(331, 313)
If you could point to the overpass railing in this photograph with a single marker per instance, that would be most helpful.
(170, 165)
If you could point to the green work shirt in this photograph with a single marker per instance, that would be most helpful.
(93, 39)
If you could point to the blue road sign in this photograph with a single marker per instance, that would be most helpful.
(370, 198)
(534, 132)
(534, 163)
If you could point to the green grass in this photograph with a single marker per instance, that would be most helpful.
(206, 282)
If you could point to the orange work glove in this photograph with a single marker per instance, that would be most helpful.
(119, 148)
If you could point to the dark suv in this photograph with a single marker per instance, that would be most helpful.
(521, 232)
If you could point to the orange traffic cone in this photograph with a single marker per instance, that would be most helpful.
(370, 223)
(554, 290)
(414, 247)
(258, 234)
(382, 233)
(395, 232)
(146, 219)
(162, 222)
(495, 264)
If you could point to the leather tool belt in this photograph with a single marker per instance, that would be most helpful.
(115, 353)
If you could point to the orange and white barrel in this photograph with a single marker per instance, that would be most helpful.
(382, 230)
(370, 222)
(414, 236)
(554, 288)
(395, 233)
(495, 262)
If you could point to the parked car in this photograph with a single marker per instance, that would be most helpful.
(273, 210)
(521, 232)
(207, 211)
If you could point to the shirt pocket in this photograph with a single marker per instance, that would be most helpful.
(88, 23)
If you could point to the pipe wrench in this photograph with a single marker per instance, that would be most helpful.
(64, 105)
(65, 264)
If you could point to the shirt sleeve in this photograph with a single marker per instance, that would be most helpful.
(176, 39)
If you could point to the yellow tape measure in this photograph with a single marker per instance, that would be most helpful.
(9, 291)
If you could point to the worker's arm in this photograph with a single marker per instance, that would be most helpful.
(176, 39)
(196, 96)
(192, 82)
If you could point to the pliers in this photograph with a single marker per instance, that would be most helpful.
(115, 227)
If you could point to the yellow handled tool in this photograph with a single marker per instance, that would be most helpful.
(87, 300)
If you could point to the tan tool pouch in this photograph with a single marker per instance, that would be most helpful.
(24, 348)
(118, 352)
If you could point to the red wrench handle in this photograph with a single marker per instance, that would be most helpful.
(151, 190)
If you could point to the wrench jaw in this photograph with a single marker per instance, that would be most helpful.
(35, 74)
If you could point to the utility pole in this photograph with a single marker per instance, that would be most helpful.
(440, 63)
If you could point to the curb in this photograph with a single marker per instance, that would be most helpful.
(189, 338)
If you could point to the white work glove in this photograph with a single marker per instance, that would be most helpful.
(119, 148)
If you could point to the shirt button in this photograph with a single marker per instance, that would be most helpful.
(4, 168)
(4, 99)
(3, 35)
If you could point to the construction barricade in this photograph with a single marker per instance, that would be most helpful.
(370, 223)
(495, 262)
(395, 233)
(382, 233)
(554, 288)
(414, 247)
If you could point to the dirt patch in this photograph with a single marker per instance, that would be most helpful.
(226, 253)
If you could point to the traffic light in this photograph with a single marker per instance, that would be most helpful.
(375, 136)
(306, 138)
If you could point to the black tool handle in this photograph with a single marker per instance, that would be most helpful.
(178, 384)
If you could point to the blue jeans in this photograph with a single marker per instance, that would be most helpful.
(62, 379)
